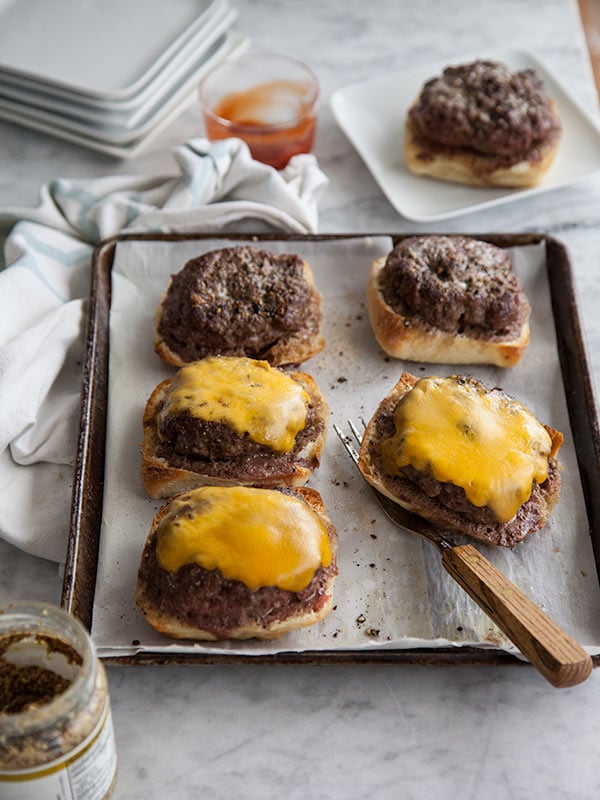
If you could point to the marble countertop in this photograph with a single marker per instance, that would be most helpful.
(354, 731)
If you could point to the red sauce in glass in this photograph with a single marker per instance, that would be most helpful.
(273, 119)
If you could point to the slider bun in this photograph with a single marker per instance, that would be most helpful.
(461, 165)
(240, 301)
(450, 300)
(483, 124)
(160, 596)
(412, 339)
(165, 474)
(530, 517)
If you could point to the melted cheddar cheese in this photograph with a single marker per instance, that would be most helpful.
(261, 537)
(485, 442)
(250, 396)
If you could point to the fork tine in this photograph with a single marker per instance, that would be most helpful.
(355, 432)
(350, 449)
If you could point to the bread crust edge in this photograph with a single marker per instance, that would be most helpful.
(412, 340)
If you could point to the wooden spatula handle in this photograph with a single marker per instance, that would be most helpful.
(553, 652)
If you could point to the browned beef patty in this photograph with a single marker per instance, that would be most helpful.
(187, 442)
(206, 600)
(455, 284)
(487, 108)
(454, 497)
(236, 301)
(413, 486)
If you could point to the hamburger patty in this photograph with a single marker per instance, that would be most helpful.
(453, 497)
(205, 599)
(487, 108)
(237, 301)
(187, 442)
(455, 284)
(423, 489)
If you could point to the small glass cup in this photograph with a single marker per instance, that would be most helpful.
(266, 99)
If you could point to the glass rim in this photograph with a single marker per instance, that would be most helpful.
(45, 619)
(312, 96)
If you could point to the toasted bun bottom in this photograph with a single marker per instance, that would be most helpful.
(163, 479)
(460, 165)
(409, 338)
(165, 623)
(531, 516)
(169, 623)
(294, 348)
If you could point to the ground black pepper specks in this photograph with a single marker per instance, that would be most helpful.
(485, 107)
(237, 301)
(456, 284)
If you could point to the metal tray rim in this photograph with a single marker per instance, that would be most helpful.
(84, 532)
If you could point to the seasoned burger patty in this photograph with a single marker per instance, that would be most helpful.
(187, 442)
(196, 439)
(454, 497)
(487, 108)
(193, 438)
(237, 301)
(206, 600)
(412, 484)
(455, 284)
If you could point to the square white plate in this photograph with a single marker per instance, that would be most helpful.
(233, 44)
(372, 115)
(107, 50)
(115, 127)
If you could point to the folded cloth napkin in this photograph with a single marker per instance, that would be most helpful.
(43, 292)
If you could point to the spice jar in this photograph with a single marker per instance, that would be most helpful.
(56, 733)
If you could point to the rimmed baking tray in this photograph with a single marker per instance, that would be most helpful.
(82, 562)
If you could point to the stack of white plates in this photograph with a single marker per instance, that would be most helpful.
(108, 75)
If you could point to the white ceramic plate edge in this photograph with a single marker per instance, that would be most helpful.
(235, 43)
(134, 87)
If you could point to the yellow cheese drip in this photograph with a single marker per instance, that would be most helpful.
(486, 443)
(250, 396)
(261, 537)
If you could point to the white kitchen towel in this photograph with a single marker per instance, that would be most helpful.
(45, 283)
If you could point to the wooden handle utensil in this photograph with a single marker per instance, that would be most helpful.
(559, 658)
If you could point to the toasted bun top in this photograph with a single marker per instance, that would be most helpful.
(261, 537)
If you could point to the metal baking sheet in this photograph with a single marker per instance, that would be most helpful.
(567, 357)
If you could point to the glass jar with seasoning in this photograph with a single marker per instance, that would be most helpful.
(56, 734)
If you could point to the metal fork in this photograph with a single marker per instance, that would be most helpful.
(558, 657)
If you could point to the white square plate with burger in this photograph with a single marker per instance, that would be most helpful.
(372, 114)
